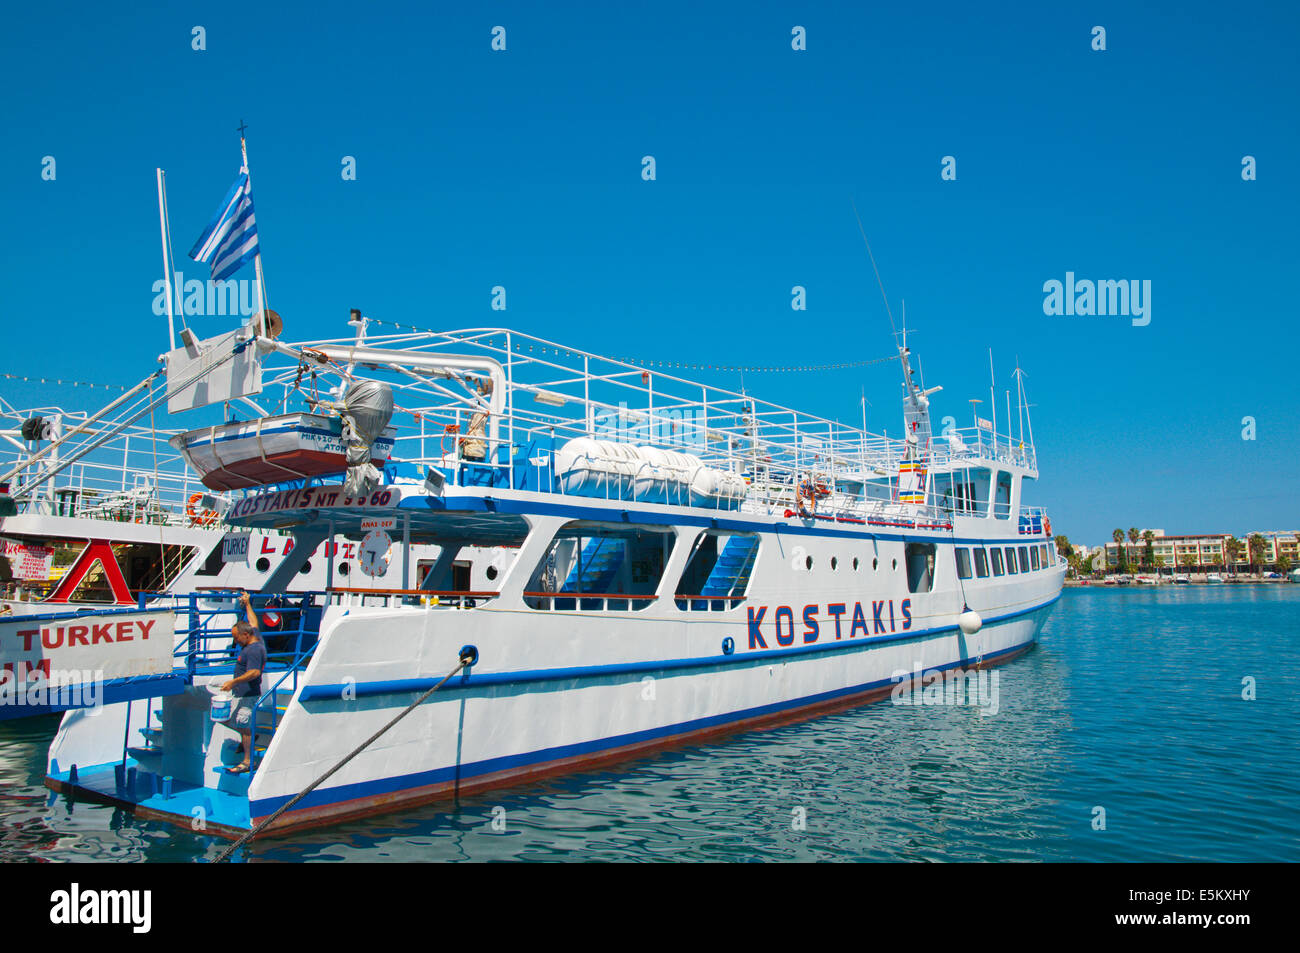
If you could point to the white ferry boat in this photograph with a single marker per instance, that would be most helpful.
(661, 561)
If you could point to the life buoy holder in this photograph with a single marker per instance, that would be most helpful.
(197, 516)
(1047, 526)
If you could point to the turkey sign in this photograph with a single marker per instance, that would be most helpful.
(118, 644)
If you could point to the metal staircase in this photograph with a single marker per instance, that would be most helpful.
(596, 565)
(730, 574)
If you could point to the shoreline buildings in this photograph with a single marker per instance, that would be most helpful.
(1200, 552)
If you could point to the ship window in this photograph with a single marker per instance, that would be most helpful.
(263, 564)
(981, 562)
(963, 563)
(717, 574)
(835, 564)
(1011, 560)
(1043, 552)
(920, 566)
(1024, 559)
(213, 565)
(598, 568)
(995, 554)
(1033, 552)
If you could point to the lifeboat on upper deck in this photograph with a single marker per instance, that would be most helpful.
(251, 453)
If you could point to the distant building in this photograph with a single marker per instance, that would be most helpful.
(1202, 552)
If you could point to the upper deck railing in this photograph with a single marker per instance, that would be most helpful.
(105, 470)
(491, 407)
(554, 393)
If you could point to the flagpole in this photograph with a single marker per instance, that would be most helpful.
(167, 265)
(257, 258)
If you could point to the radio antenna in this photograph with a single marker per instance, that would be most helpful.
(863, 232)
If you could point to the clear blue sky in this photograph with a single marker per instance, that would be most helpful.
(477, 168)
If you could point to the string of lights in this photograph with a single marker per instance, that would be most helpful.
(679, 365)
(52, 380)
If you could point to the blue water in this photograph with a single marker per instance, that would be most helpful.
(1132, 703)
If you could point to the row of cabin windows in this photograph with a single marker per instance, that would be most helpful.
(1017, 559)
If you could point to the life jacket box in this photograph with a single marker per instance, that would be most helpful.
(586, 466)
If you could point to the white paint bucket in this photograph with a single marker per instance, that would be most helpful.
(221, 705)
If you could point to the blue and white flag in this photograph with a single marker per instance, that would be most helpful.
(230, 240)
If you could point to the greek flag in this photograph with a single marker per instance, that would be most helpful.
(230, 240)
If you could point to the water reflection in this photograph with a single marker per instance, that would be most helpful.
(1133, 703)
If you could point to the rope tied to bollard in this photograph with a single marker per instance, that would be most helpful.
(467, 658)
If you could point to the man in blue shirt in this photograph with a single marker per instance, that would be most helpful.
(246, 685)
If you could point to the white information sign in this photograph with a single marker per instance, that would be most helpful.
(118, 645)
(234, 547)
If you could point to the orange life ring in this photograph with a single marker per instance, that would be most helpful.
(1047, 525)
(804, 491)
(200, 517)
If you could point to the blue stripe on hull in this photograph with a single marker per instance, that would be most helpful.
(336, 692)
(382, 789)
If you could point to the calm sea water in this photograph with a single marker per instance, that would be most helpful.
(1132, 703)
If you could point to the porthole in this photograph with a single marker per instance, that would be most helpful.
(306, 568)
(263, 564)
(895, 565)
(835, 564)
(855, 563)
(875, 564)
(491, 572)
(343, 569)
(808, 563)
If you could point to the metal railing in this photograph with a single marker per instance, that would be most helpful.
(205, 644)
(553, 393)
(119, 472)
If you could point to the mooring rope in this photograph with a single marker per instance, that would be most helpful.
(466, 659)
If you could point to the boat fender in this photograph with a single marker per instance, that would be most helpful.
(969, 621)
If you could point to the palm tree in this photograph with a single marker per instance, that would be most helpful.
(1284, 564)
(1231, 550)
(1257, 545)
(1148, 536)
(1121, 564)
(1133, 537)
